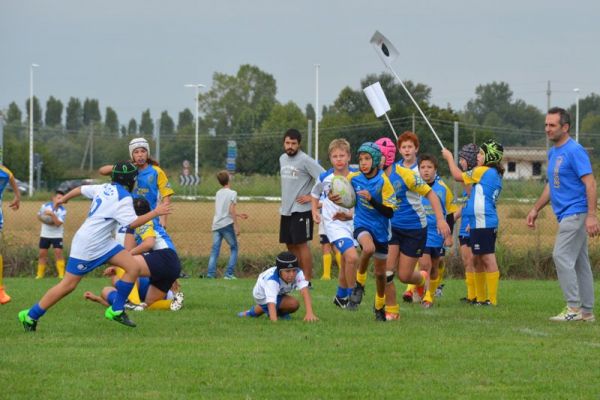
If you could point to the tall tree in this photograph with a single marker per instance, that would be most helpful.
(132, 127)
(167, 126)
(74, 119)
(146, 124)
(186, 118)
(123, 130)
(37, 111)
(111, 121)
(240, 103)
(91, 111)
(587, 105)
(54, 109)
(14, 114)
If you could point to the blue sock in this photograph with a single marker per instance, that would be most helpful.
(123, 290)
(251, 312)
(348, 292)
(341, 292)
(36, 312)
(111, 297)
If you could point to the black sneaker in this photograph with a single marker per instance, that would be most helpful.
(380, 315)
(341, 302)
(467, 300)
(120, 317)
(351, 306)
(29, 324)
(484, 303)
(357, 293)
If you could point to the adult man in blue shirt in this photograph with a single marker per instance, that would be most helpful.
(571, 189)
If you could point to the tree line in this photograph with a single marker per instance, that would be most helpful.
(243, 107)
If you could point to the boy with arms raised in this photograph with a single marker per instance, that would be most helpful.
(337, 220)
(271, 292)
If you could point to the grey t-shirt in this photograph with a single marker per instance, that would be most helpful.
(298, 175)
(223, 200)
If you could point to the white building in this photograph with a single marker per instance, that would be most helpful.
(524, 162)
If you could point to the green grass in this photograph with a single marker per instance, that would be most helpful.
(452, 351)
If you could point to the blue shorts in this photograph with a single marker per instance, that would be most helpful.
(483, 240)
(435, 252)
(411, 241)
(323, 239)
(344, 244)
(381, 249)
(464, 241)
(79, 267)
(265, 307)
(164, 266)
(45, 243)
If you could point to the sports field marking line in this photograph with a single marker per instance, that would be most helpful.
(532, 332)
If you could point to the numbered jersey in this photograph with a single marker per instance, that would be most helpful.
(112, 205)
(481, 206)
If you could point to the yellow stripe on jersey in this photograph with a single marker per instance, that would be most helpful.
(474, 175)
(146, 230)
(451, 205)
(388, 195)
(163, 183)
(7, 171)
(413, 180)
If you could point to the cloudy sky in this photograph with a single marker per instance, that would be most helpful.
(138, 54)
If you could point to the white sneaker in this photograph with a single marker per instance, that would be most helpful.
(135, 307)
(588, 317)
(177, 302)
(567, 315)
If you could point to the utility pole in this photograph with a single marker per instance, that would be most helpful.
(548, 106)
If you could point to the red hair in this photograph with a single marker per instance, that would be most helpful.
(408, 136)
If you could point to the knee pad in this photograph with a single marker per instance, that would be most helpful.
(389, 277)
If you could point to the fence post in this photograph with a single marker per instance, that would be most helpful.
(310, 144)
(457, 189)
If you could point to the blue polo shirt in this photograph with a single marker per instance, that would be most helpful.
(567, 164)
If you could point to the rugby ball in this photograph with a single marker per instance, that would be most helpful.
(47, 219)
(341, 186)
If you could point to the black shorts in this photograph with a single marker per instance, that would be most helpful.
(464, 241)
(483, 240)
(296, 228)
(411, 241)
(323, 239)
(435, 252)
(45, 243)
(381, 249)
(164, 268)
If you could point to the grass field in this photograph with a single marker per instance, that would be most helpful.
(452, 351)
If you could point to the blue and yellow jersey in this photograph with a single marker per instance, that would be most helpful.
(365, 216)
(443, 192)
(150, 229)
(152, 184)
(465, 219)
(487, 185)
(5, 176)
(409, 187)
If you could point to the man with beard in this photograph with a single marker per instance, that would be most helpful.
(298, 173)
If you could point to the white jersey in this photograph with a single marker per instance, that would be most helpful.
(53, 231)
(269, 285)
(111, 205)
(334, 229)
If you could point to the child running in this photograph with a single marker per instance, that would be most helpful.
(375, 205)
(93, 244)
(486, 179)
(337, 220)
(434, 246)
(271, 292)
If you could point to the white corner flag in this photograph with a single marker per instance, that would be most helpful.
(379, 103)
(384, 48)
(377, 99)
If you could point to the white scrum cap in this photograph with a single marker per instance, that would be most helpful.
(137, 143)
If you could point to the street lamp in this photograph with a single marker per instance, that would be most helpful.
(31, 128)
(197, 86)
(576, 90)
